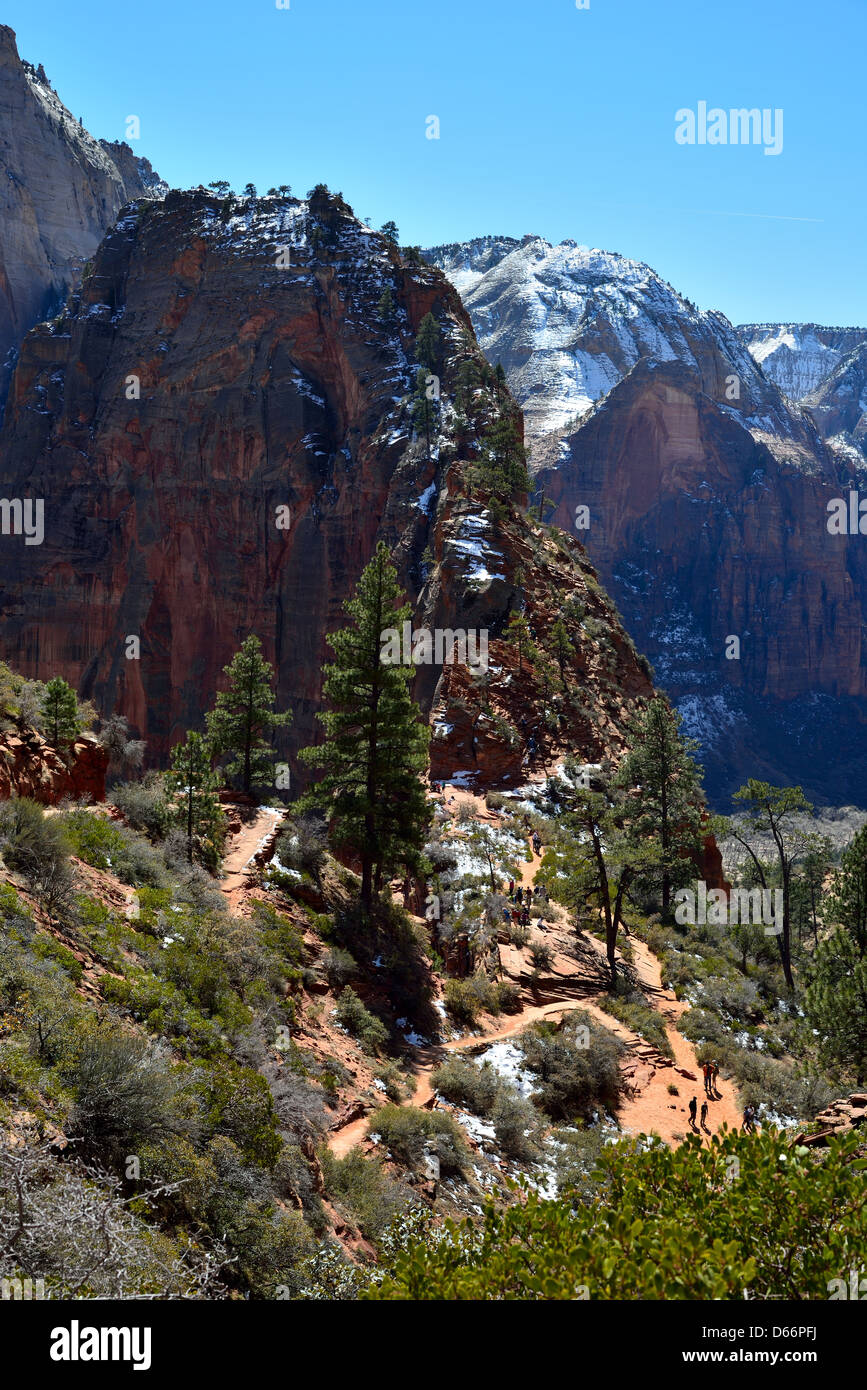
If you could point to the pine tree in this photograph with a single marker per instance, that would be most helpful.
(667, 797)
(423, 406)
(775, 812)
(836, 996)
(243, 717)
(385, 307)
(60, 712)
(592, 858)
(375, 743)
(503, 465)
(518, 632)
(390, 232)
(192, 782)
(427, 343)
(563, 649)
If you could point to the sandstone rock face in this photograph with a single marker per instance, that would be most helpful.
(798, 356)
(839, 405)
(701, 534)
(569, 322)
(30, 767)
(230, 365)
(60, 190)
(707, 488)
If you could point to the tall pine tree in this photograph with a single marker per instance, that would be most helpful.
(193, 785)
(666, 800)
(375, 744)
(243, 717)
(60, 712)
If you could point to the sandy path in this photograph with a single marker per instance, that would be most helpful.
(647, 1106)
(244, 846)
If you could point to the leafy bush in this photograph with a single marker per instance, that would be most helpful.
(144, 805)
(126, 1094)
(514, 1121)
(473, 1088)
(340, 967)
(360, 1022)
(634, 1011)
(670, 1224)
(407, 1132)
(461, 1001)
(360, 1185)
(575, 1080)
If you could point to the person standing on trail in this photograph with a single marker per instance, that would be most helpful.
(537, 843)
(511, 886)
(704, 1114)
(706, 1072)
(714, 1073)
(693, 1107)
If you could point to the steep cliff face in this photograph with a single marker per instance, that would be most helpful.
(707, 489)
(221, 428)
(839, 405)
(568, 323)
(60, 190)
(798, 356)
(702, 535)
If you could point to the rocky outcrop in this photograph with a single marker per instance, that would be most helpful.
(60, 190)
(704, 535)
(707, 489)
(223, 432)
(839, 1118)
(799, 357)
(569, 322)
(30, 767)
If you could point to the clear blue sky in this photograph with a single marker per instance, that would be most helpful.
(554, 120)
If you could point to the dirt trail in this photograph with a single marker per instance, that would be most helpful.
(244, 846)
(648, 1105)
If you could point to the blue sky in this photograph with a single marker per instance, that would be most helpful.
(553, 120)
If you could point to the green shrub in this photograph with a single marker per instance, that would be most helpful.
(514, 1121)
(407, 1132)
(669, 1224)
(359, 1185)
(462, 1083)
(574, 1080)
(461, 1001)
(340, 967)
(360, 1022)
(634, 1011)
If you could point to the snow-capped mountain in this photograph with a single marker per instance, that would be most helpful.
(799, 356)
(568, 323)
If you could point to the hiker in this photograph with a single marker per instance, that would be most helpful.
(693, 1107)
(706, 1073)
(507, 914)
(542, 925)
(528, 895)
(704, 1114)
(714, 1073)
(511, 886)
(537, 843)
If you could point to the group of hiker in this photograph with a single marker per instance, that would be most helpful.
(521, 898)
(710, 1072)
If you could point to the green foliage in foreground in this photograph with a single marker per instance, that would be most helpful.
(747, 1217)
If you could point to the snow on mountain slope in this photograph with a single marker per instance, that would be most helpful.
(799, 356)
(569, 322)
